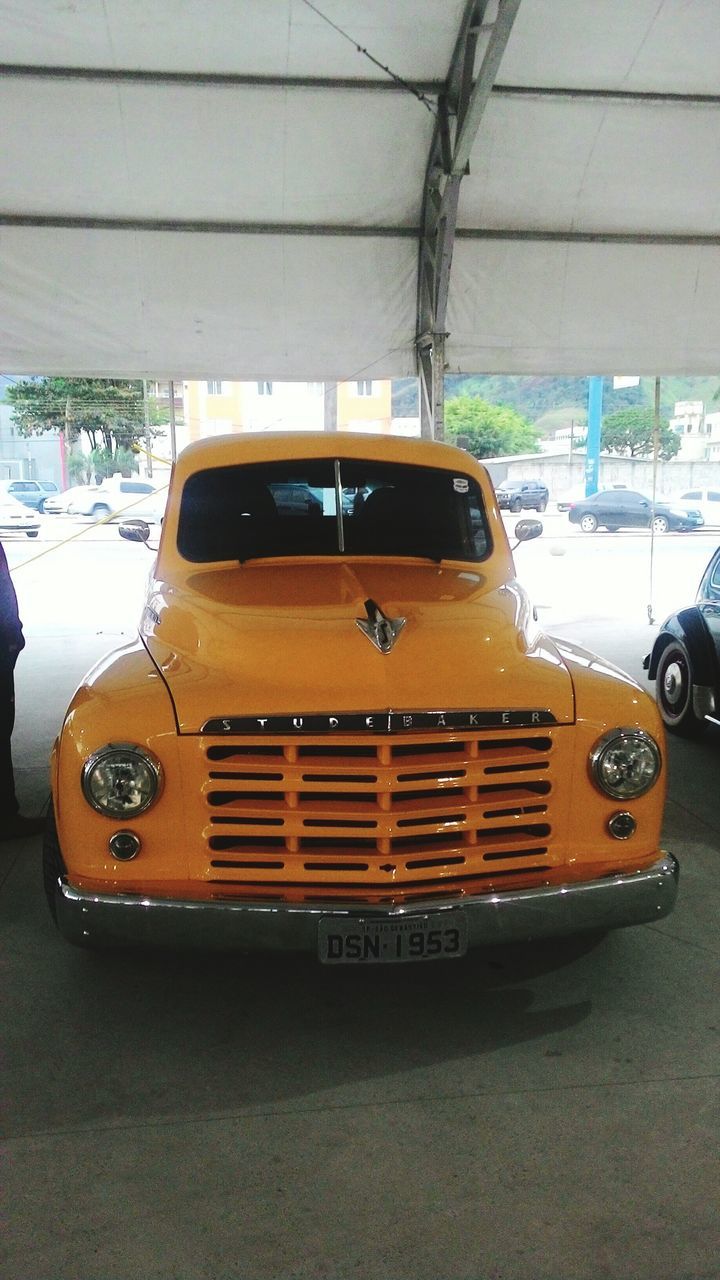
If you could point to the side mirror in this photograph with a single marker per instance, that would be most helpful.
(138, 530)
(526, 530)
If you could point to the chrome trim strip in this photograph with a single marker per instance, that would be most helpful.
(338, 505)
(384, 721)
(521, 915)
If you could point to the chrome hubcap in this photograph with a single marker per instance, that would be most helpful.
(673, 685)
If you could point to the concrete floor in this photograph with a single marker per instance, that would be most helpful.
(528, 1114)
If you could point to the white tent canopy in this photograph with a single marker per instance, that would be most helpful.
(234, 190)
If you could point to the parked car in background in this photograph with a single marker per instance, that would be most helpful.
(615, 509)
(56, 504)
(31, 493)
(570, 498)
(685, 659)
(520, 495)
(295, 499)
(706, 501)
(138, 497)
(16, 518)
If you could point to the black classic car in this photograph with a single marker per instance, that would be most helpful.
(685, 659)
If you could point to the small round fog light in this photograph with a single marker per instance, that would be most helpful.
(622, 826)
(124, 845)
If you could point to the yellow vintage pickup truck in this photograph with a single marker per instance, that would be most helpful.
(340, 729)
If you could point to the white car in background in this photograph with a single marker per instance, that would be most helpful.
(15, 517)
(31, 493)
(56, 504)
(706, 501)
(131, 498)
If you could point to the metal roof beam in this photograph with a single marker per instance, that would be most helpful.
(214, 79)
(431, 263)
(460, 110)
(647, 96)
(432, 88)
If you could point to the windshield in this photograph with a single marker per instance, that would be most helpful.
(331, 507)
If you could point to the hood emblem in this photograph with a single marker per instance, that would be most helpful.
(379, 629)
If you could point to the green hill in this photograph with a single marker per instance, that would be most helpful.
(553, 403)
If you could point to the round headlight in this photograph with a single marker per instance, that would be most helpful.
(625, 763)
(121, 780)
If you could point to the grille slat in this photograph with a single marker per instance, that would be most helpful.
(415, 809)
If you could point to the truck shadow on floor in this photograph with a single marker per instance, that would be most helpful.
(129, 1035)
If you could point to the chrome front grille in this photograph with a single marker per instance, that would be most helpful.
(394, 817)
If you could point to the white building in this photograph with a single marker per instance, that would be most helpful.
(694, 427)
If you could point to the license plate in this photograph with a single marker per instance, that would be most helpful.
(441, 936)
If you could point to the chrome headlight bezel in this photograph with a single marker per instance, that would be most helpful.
(626, 738)
(119, 749)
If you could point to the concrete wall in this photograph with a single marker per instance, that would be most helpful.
(564, 477)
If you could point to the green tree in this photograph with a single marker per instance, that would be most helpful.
(108, 410)
(490, 430)
(631, 432)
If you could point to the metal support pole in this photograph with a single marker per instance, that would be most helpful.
(656, 451)
(438, 383)
(173, 441)
(148, 438)
(460, 110)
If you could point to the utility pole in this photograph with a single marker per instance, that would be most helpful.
(330, 394)
(592, 453)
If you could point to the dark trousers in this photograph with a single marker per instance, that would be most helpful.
(8, 799)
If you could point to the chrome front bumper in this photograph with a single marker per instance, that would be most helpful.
(89, 919)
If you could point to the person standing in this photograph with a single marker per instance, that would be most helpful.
(13, 825)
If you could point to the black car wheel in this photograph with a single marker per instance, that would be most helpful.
(660, 524)
(516, 504)
(674, 684)
(588, 522)
(32, 533)
(542, 506)
(100, 511)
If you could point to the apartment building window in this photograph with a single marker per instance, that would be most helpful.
(264, 388)
(214, 388)
(364, 388)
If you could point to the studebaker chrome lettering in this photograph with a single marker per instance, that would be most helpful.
(380, 721)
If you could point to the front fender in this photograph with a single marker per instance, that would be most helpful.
(688, 626)
(123, 699)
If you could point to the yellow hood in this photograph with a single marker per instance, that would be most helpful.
(265, 641)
